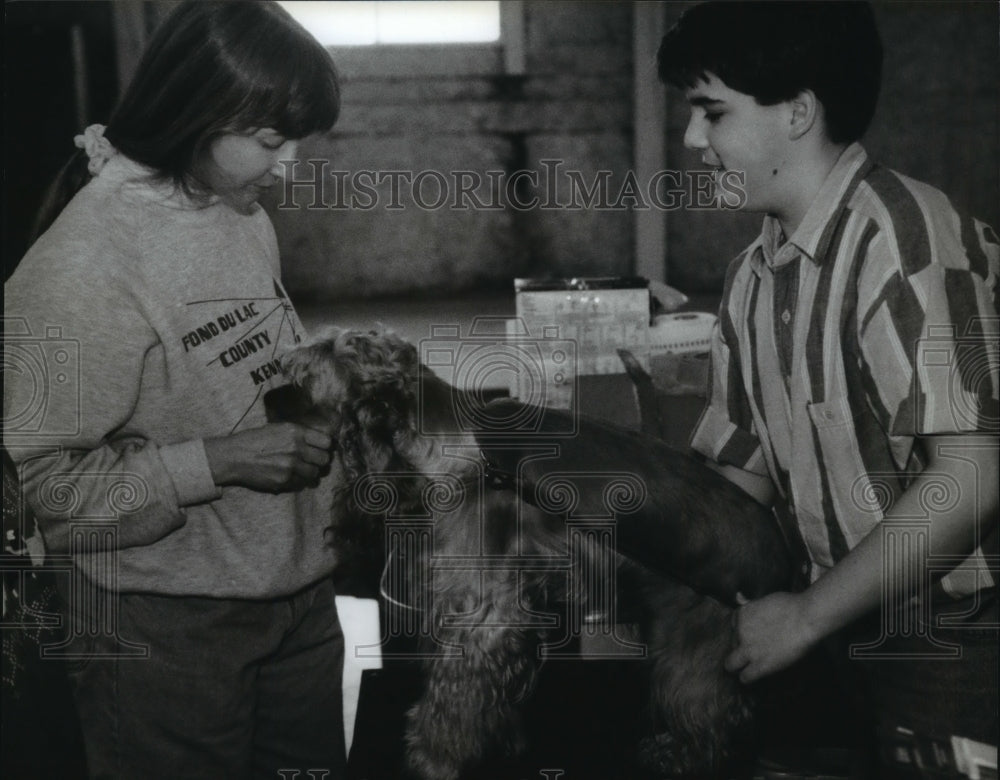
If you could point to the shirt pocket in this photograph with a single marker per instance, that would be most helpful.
(854, 501)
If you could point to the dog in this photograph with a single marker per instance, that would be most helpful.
(492, 543)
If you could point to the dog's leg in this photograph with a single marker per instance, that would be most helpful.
(701, 714)
(470, 712)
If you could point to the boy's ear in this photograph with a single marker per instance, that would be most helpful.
(805, 113)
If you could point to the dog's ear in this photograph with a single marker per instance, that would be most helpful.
(313, 367)
(365, 445)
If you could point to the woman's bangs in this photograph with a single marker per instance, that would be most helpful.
(291, 85)
(302, 94)
(312, 104)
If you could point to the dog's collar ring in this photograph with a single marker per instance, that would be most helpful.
(497, 478)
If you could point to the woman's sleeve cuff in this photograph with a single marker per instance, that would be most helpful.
(188, 467)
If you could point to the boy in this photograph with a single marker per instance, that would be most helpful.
(854, 365)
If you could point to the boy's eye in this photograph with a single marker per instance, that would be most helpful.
(272, 143)
(713, 116)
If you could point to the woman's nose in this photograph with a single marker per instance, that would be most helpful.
(694, 135)
(287, 151)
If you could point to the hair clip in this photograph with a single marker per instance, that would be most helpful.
(97, 147)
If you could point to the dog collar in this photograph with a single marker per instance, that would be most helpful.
(496, 477)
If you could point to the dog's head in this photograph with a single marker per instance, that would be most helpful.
(365, 384)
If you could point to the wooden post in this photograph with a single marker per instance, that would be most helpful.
(649, 139)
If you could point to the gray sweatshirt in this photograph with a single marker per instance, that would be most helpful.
(138, 325)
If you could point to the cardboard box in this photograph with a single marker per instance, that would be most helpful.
(583, 323)
(601, 315)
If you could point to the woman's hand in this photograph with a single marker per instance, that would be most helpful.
(771, 633)
(274, 458)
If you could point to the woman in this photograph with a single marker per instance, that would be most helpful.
(202, 617)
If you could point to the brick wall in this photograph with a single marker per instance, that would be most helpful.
(449, 111)
(417, 113)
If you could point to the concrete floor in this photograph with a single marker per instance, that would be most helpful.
(412, 318)
(415, 318)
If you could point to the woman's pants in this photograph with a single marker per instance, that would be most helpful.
(228, 688)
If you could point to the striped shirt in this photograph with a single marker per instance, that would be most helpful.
(834, 350)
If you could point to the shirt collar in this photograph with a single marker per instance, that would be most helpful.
(122, 171)
(813, 236)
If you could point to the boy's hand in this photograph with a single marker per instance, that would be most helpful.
(771, 633)
(274, 458)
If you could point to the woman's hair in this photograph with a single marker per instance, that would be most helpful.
(773, 50)
(213, 68)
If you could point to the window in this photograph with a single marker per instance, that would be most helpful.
(418, 39)
(385, 22)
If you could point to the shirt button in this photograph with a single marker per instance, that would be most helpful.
(786, 316)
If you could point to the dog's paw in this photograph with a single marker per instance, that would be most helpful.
(664, 756)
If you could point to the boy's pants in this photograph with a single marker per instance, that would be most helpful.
(934, 679)
(230, 688)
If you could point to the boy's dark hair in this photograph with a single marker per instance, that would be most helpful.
(773, 50)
